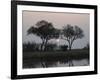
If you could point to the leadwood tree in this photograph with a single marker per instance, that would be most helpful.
(45, 31)
(72, 33)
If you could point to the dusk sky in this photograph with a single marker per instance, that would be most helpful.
(58, 19)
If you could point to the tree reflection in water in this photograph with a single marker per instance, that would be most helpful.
(56, 63)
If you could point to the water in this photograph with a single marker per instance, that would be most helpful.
(51, 63)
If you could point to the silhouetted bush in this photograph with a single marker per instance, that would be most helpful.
(31, 46)
(87, 47)
(64, 47)
(50, 47)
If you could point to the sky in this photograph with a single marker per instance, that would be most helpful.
(59, 20)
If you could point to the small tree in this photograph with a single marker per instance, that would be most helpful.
(87, 46)
(70, 34)
(45, 31)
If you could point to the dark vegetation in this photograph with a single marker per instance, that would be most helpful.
(74, 54)
(34, 47)
(64, 47)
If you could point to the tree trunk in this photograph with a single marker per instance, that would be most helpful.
(45, 47)
(70, 45)
(42, 44)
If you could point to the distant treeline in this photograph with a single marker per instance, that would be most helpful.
(49, 47)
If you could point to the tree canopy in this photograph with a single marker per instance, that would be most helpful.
(72, 33)
(45, 31)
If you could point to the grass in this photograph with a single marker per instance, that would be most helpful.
(57, 55)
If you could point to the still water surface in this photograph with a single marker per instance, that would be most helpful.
(59, 63)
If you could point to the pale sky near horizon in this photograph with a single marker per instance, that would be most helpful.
(58, 19)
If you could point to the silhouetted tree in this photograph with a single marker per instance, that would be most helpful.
(45, 31)
(72, 33)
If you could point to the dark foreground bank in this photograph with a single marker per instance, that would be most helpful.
(31, 59)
